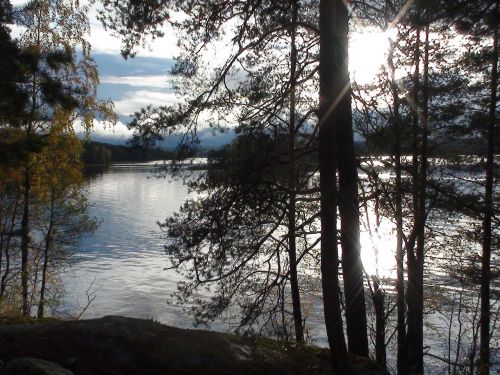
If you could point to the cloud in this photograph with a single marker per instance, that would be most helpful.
(157, 81)
(135, 100)
(117, 134)
(208, 138)
(120, 134)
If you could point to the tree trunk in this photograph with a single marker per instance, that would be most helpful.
(292, 248)
(332, 13)
(48, 243)
(352, 267)
(6, 248)
(379, 301)
(484, 343)
(400, 280)
(25, 242)
(414, 281)
(416, 260)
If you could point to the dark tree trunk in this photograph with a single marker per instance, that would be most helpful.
(332, 13)
(414, 279)
(348, 198)
(25, 242)
(422, 214)
(379, 301)
(400, 281)
(25, 230)
(416, 254)
(6, 248)
(484, 343)
(48, 243)
(292, 248)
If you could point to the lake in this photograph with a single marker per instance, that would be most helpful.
(123, 262)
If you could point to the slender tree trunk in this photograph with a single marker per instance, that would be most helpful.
(292, 247)
(414, 279)
(6, 248)
(48, 243)
(416, 270)
(332, 12)
(3, 234)
(400, 278)
(352, 266)
(25, 241)
(379, 301)
(27, 190)
(484, 342)
(422, 200)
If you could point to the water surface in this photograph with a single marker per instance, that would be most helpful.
(123, 261)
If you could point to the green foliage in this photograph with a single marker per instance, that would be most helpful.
(43, 209)
(12, 70)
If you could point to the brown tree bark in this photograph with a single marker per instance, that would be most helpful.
(416, 253)
(331, 13)
(484, 342)
(352, 267)
(25, 242)
(400, 281)
(48, 243)
(292, 246)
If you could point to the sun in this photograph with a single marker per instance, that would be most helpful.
(367, 54)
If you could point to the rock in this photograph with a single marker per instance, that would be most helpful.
(71, 361)
(33, 366)
(117, 345)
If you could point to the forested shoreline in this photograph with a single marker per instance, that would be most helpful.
(98, 153)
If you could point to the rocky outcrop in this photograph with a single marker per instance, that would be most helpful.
(33, 366)
(121, 346)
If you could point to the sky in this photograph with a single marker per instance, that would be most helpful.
(137, 82)
(143, 80)
(133, 83)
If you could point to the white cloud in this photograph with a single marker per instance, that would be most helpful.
(157, 81)
(135, 100)
(119, 133)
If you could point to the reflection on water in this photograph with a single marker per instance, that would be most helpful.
(123, 262)
(124, 259)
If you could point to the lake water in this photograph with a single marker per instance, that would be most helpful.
(123, 262)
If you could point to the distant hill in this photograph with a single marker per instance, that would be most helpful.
(99, 153)
(437, 147)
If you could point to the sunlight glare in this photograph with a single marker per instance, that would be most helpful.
(367, 54)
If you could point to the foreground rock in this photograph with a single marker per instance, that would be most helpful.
(118, 345)
(33, 366)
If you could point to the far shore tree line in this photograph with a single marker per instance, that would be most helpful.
(288, 199)
(98, 153)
